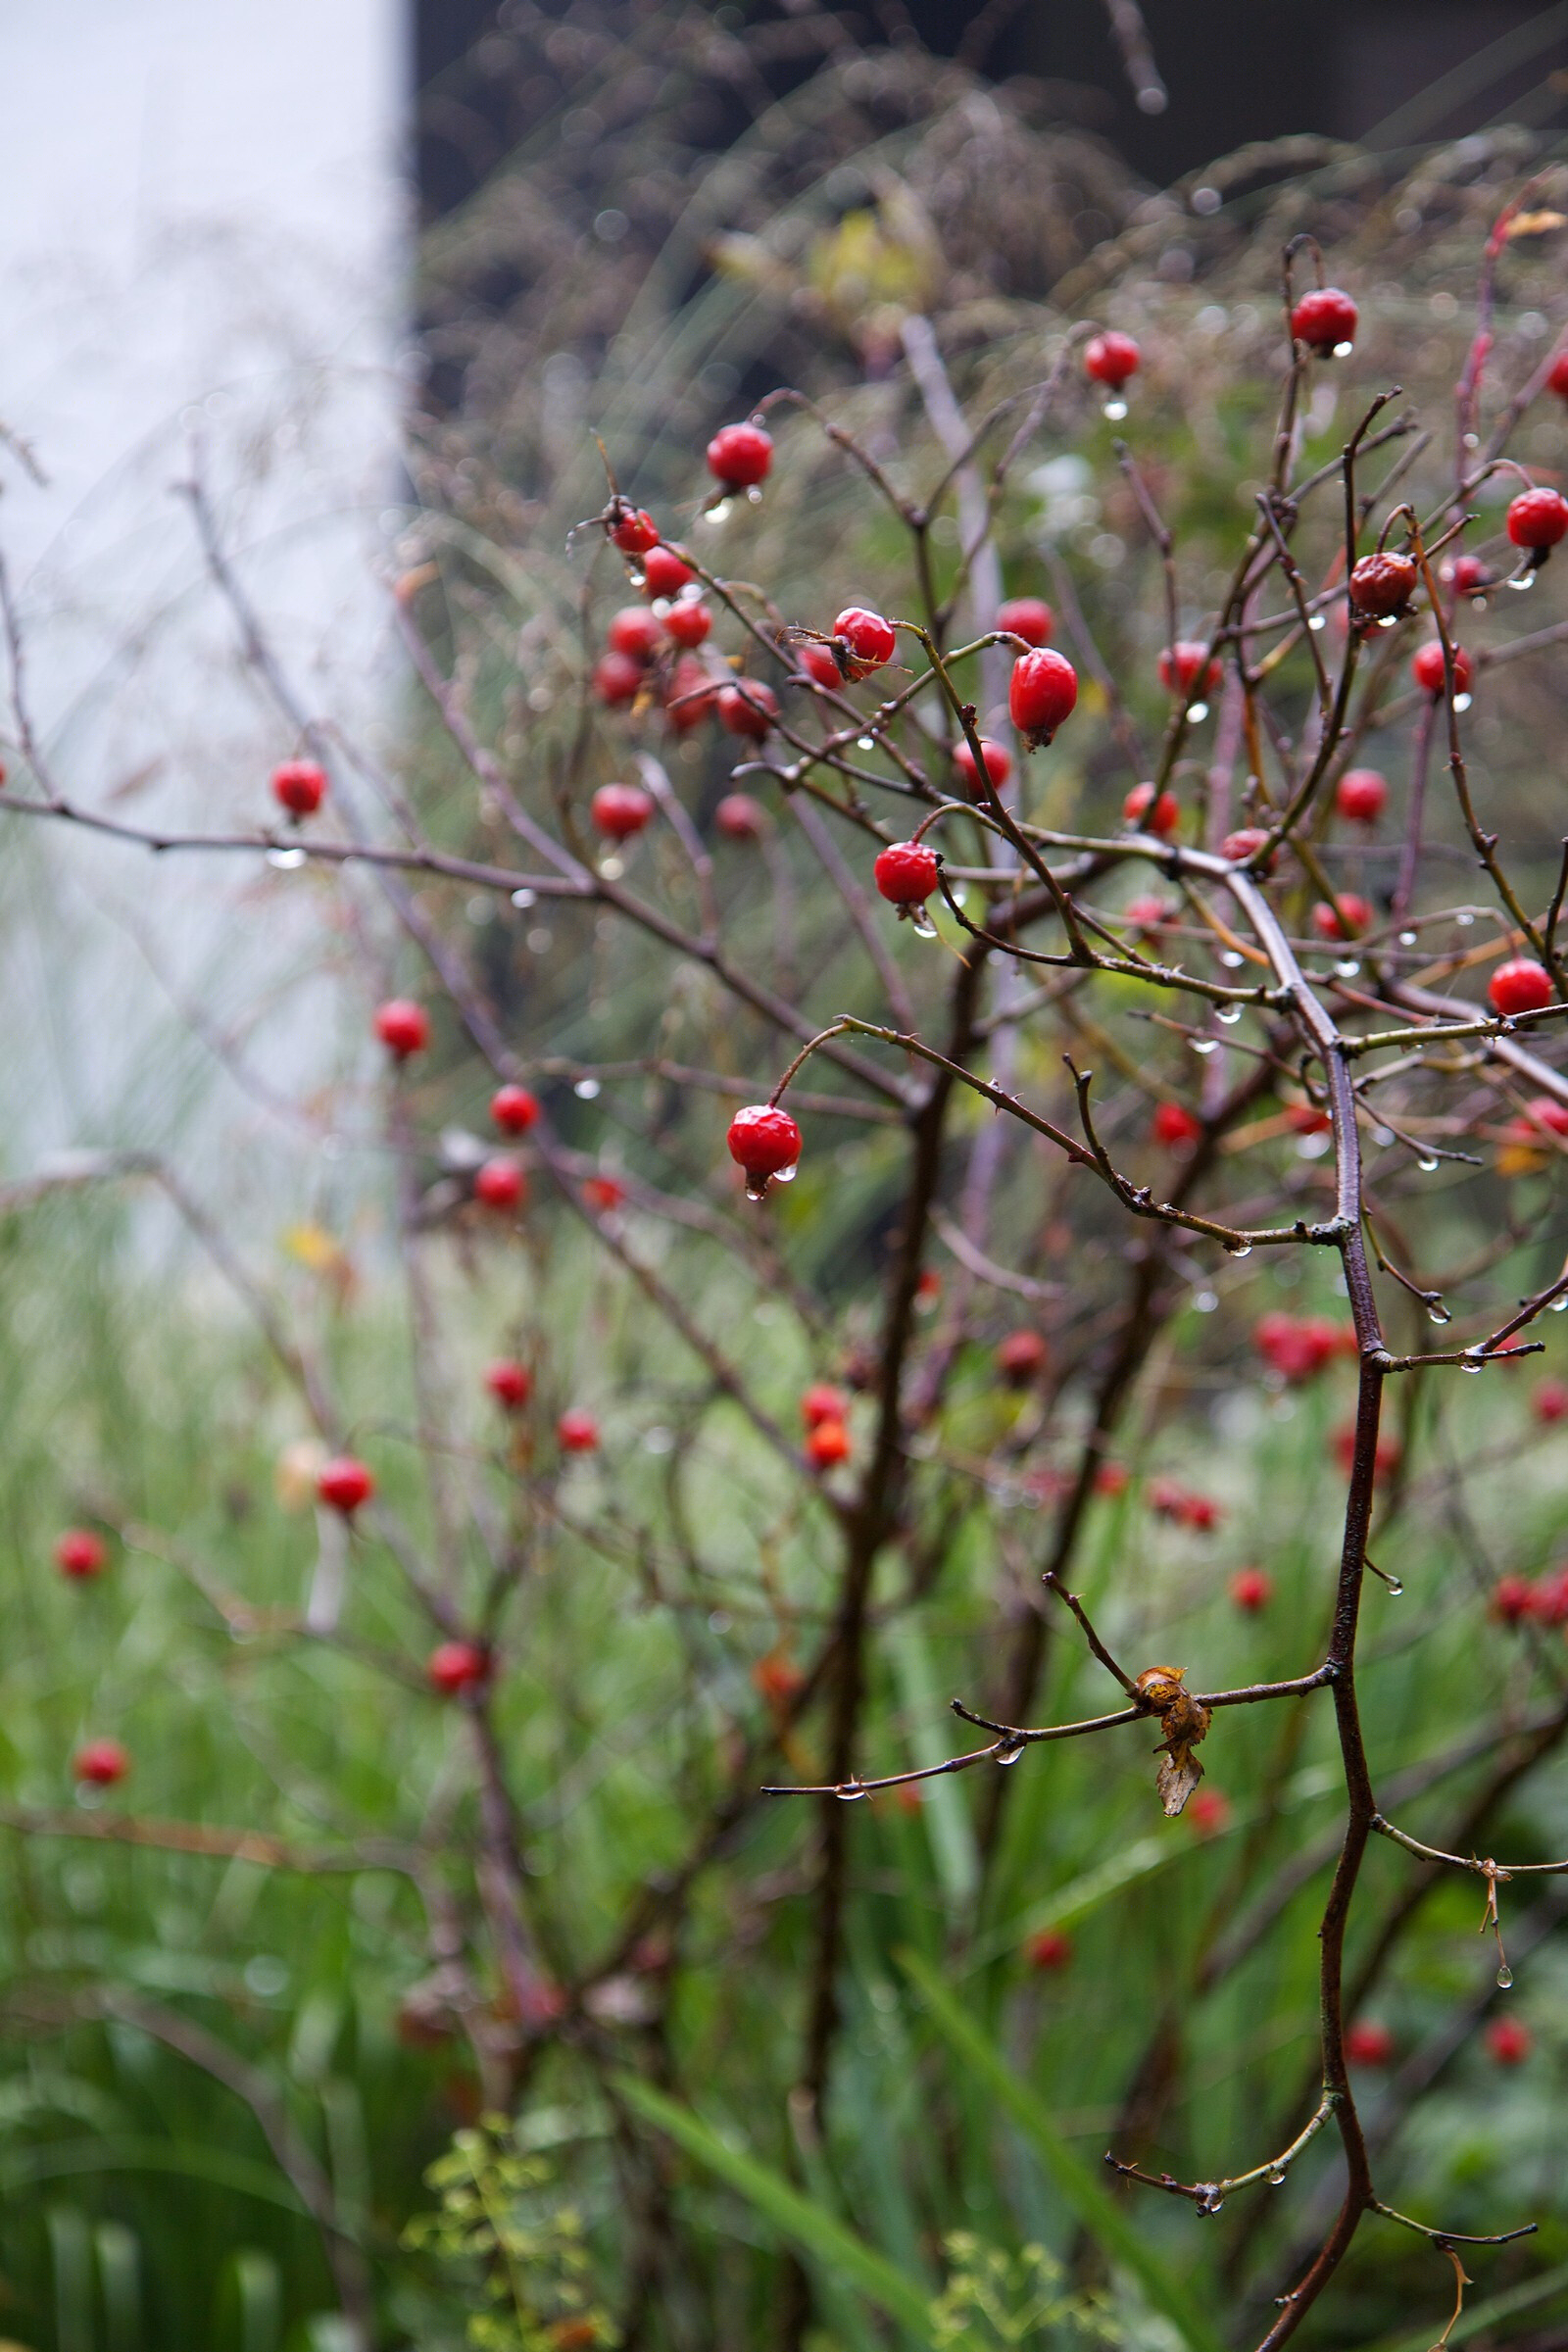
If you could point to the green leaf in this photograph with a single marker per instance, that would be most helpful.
(1097, 2210)
(818, 2232)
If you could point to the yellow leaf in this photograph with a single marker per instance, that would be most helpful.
(1534, 225)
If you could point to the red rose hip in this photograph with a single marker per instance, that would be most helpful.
(514, 1109)
(740, 819)
(632, 531)
(998, 761)
(1029, 617)
(1382, 585)
(510, 1383)
(1153, 811)
(344, 1484)
(747, 709)
(827, 1444)
(1109, 359)
(1325, 320)
(1519, 986)
(619, 811)
(1349, 916)
(665, 573)
(402, 1027)
(1369, 2043)
(1182, 668)
(298, 786)
(765, 1142)
(79, 1553)
(739, 455)
(1426, 667)
(1021, 1358)
(457, 1666)
(1361, 795)
(634, 632)
(1251, 1590)
(1538, 519)
(822, 1401)
(100, 1763)
(862, 640)
(906, 874)
(1175, 1126)
(618, 678)
(576, 1432)
(687, 622)
(1509, 2041)
(1044, 692)
(500, 1184)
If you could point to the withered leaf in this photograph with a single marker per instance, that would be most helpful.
(1533, 224)
(1184, 1723)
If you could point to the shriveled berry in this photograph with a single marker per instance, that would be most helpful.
(905, 873)
(619, 811)
(862, 640)
(1426, 667)
(510, 1383)
(457, 1666)
(500, 1184)
(100, 1763)
(1538, 519)
(1183, 671)
(1325, 320)
(665, 573)
(998, 764)
(827, 1444)
(1021, 1358)
(1251, 1590)
(1109, 359)
(1520, 986)
(1043, 693)
(688, 622)
(344, 1484)
(298, 786)
(402, 1027)
(740, 819)
(632, 531)
(79, 1553)
(634, 632)
(1153, 811)
(1175, 1126)
(1029, 617)
(1349, 916)
(765, 1142)
(1361, 795)
(740, 455)
(576, 1430)
(1382, 585)
(823, 1401)
(618, 678)
(747, 708)
(514, 1109)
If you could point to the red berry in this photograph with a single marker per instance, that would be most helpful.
(998, 761)
(79, 1553)
(604, 1194)
(1369, 2043)
(1325, 321)
(1546, 1112)
(510, 1383)
(1361, 795)
(1557, 379)
(1182, 668)
(634, 632)
(1386, 1455)
(1021, 1358)
(778, 1678)
(1043, 694)
(1513, 1598)
(1251, 1590)
(514, 1109)
(687, 622)
(1468, 575)
(822, 1401)
(1305, 1119)
(1147, 914)
(663, 572)
(827, 1444)
(1029, 617)
(819, 663)
(1520, 986)
(765, 1142)
(1113, 1477)
(1538, 519)
(905, 873)
(747, 708)
(100, 1763)
(1153, 811)
(456, 1666)
(1296, 1347)
(1048, 1949)
(1352, 916)
(1239, 846)
(1382, 585)
(739, 817)
(691, 694)
(576, 1432)
(402, 1027)
(1175, 1126)
(1110, 359)
(633, 531)
(1550, 1401)
(298, 786)
(619, 811)
(862, 640)
(740, 456)
(618, 678)
(1426, 667)
(1209, 1812)
(344, 1484)
(1509, 2041)
(500, 1184)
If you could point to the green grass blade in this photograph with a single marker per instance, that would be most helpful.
(1097, 2211)
(816, 2231)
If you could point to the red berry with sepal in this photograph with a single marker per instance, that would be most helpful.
(1519, 986)
(631, 531)
(1369, 2043)
(634, 632)
(1509, 2041)
(1346, 920)
(747, 708)
(1152, 811)
(618, 678)
(1029, 617)
(514, 1109)
(905, 873)
(1251, 1590)
(1043, 694)
(665, 573)
(687, 622)
(576, 1432)
(510, 1383)
(1538, 519)
(344, 1484)
(827, 1444)
(1109, 359)
(820, 663)
(454, 1667)
(998, 765)
(740, 456)
(298, 786)
(1021, 1358)
(100, 1763)
(81, 1554)
(1383, 584)
(862, 641)
(402, 1027)
(823, 1401)
(500, 1184)
(1426, 667)
(1049, 1950)
(1361, 795)
(765, 1142)
(619, 811)
(740, 819)
(1175, 1126)
(1185, 668)
(1325, 320)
